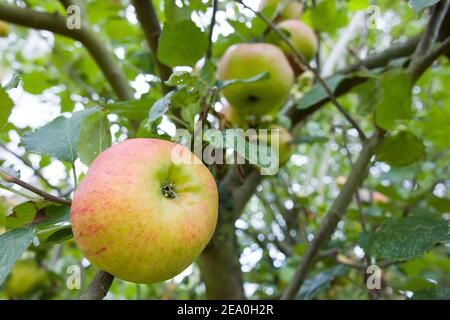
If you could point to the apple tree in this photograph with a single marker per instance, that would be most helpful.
(358, 89)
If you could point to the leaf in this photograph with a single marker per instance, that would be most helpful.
(55, 235)
(259, 77)
(35, 82)
(318, 93)
(401, 149)
(181, 43)
(22, 214)
(6, 105)
(432, 294)
(395, 102)
(134, 109)
(405, 238)
(54, 214)
(420, 5)
(59, 138)
(325, 17)
(436, 119)
(161, 107)
(95, 136)
(320, 281)
(12, 245)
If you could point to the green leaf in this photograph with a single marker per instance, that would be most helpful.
(259, 77)
(12, 245)
(325, 17)
(320, 282)
(52, 215)
(55, 235)
(59, 138)
(318, 93)
(134, 109)
(436, 119)
(172, 12)
(405, 238)
(395, 102)
(35, 82)
(22, 214)
(401, 149)
(161, 107)
(95, 136)
(6, 105)
(181, 43)
(420, 5)
(432, 294)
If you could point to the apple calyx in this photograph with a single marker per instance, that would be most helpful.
(168, 190)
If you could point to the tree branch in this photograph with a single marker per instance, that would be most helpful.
(56, 23)
(47, 196)
(146, 15)
(428, 59)
(211, 29)
(333, 215)
(99, 286)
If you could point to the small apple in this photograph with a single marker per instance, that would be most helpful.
(301, 36)
(292, 10)
(232, 115)
(243, 61)
(25, 277)
(4, 29)
(285, 142)
(142, 216)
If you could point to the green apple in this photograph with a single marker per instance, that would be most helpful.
(25, 277)
(292, 9)
(232, 115)
(285, 145)
(4, 29)
(243, 61)
(142, 215)
(301, 37)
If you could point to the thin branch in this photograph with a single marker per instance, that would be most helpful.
(99, 286)
(47, 196)
(304, 61)
(334, 214)
(56, 23)
(148, 19)
(211, 29)
(428, 59)
(28, 163)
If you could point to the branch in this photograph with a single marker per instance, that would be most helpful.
(47, 196)
(56, 23)
(30, 165)
(428, 60)
(211, 29)
(148, 19)
(333, 215)
(304, 61)
(99, 286)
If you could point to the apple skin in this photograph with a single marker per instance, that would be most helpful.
(293, 9)
(301, 36)
(124, 225)
(246, 60)
(4, 29)
(232, 115)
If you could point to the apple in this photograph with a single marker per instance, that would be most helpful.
(292, 10)
(247, 60)
(142, 216)
(232, 116)
(301, 37)
(285, 142)
(4, 29)
(25, 277)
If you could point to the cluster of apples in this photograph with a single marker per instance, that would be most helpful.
(247, 60)
(249, 101)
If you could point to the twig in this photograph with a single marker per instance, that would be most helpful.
(148, 19)
(47, 196)
(304, 61)
(75, 179)
(211, 29)
(428, 59)
(30, 165)
(99, 286)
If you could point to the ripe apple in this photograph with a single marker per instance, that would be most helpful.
(25, 277)
(4, 29)
(301, 36)
(292, 10)
(142, 216)
(243, 61)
